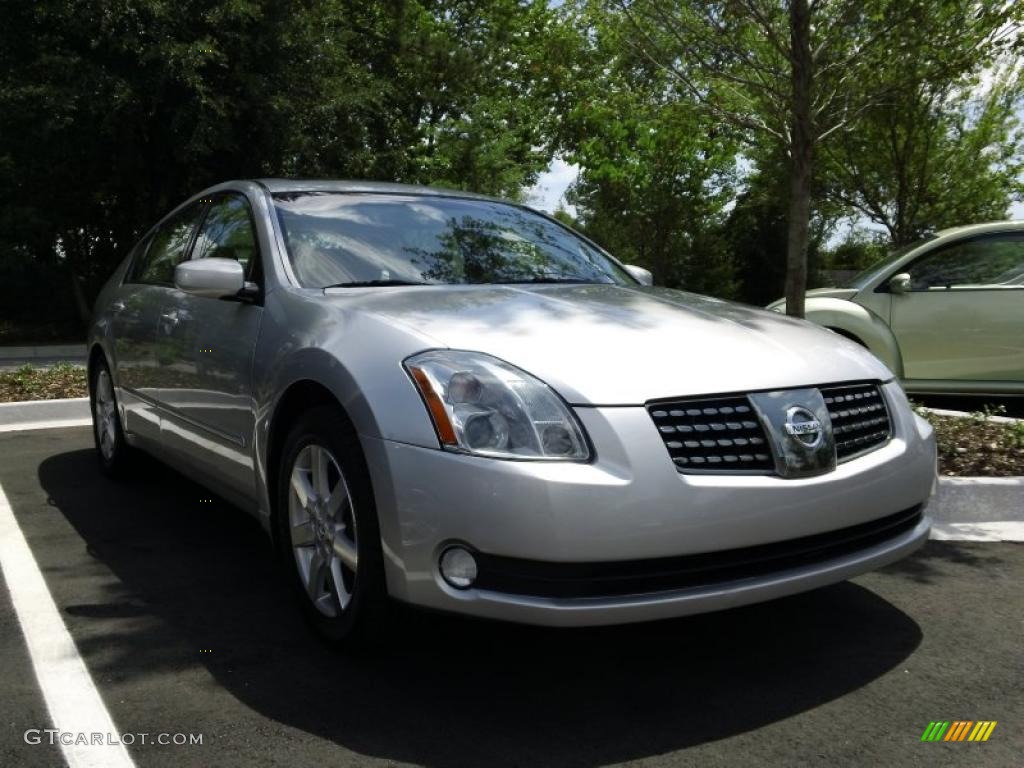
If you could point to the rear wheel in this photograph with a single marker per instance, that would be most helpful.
(327, 528)
(112, 450)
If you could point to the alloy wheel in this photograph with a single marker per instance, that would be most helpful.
(323, 529)
(105, 414)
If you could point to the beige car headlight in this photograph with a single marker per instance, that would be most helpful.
(484, 406)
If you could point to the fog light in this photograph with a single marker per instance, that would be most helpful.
(458, 567)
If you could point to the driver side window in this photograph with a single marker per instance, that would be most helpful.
(227, 233)
(991, 262)
(166, 249)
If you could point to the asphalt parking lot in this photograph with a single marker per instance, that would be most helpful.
(173, 602)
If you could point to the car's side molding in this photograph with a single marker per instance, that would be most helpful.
(861, 323)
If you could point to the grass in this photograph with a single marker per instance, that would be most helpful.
(30, 383)
(976, 446)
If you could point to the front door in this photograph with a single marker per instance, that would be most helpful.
(206, 384)
(963, 317)
(136, 310)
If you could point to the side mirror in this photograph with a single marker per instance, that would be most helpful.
(899, 283)
(214, 278)
(641, 275)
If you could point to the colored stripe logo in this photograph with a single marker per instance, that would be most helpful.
(958, 730)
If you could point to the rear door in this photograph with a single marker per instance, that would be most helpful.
(963, 317)
(206, 385)
(137, 315)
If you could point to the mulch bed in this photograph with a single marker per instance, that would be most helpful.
(975, 446)
(29, 383)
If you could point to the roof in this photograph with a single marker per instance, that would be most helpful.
(344, 185)
(982, 228)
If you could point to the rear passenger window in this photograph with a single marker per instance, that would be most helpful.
(167, 248)
(227, 233)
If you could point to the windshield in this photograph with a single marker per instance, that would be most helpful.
(338, 239)
(861, 279)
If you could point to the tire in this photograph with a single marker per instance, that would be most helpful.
(114, 454)
(327, 530)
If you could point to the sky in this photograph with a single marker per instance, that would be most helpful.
(547, 193)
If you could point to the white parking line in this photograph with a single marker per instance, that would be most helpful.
(55, 424)
(75, 705)
(1007, 530)
(18, 404)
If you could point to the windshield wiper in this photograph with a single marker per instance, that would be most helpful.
(577, 280)
(367, 283)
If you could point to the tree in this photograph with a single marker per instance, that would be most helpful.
(937, 155)
(112, 113)
(654, 180)
(756, 230)
(788, 73)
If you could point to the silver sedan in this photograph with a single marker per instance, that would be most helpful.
(456, 402)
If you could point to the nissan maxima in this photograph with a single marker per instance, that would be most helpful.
(459, 403)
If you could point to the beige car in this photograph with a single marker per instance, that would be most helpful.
(946, 314)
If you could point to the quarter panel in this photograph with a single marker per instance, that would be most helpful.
(355, 355)
(862, 323)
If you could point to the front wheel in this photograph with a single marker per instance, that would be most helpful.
(327, 528)
(113, 451)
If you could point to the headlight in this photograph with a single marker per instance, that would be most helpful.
(484, 406)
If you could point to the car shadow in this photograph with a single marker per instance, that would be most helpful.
(448, 691)
(929, 565)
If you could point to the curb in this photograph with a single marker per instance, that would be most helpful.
(40, 414)
(977, 501)
(42, 351)
(965, 415)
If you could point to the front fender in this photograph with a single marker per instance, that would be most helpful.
(860, 322)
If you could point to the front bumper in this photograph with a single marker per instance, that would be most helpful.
(630, 504)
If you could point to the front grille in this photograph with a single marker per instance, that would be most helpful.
(860, 419)
(721, 434)
(724, 435)
(536, 578)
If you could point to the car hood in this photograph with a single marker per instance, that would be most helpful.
(615, 345)
(819, 293)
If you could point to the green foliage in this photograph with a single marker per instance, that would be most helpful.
(856, 252)
(111, 113)
(756, 229)
(938, 155)
(756, 235)
(933, 146)
(678, 113)
(566, 218)
(1016, 434)
(829, 86)
(655, 180)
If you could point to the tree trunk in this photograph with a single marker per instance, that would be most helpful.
(801, 156)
